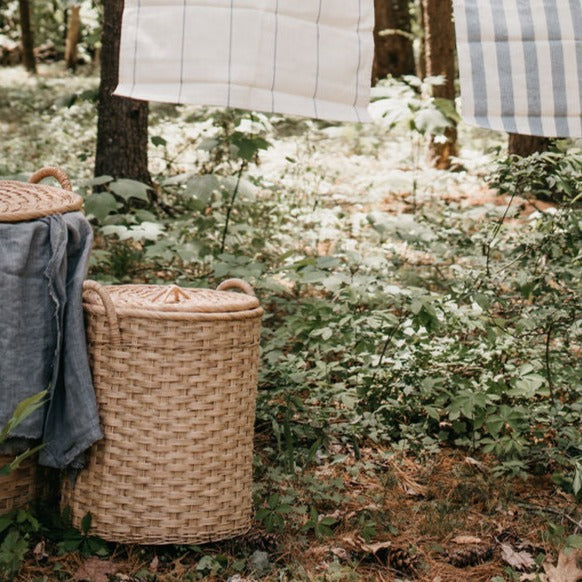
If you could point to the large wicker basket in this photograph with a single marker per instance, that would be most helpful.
(21, 201)
(175, 374)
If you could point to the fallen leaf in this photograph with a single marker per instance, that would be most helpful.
(354, 542)
(475, 463)
(154, 565)
(375, 548)
(568, 568)
(340, 553)
(40, 551)
(533, 577)
(95, 570)
(467, 540)
(518, 560)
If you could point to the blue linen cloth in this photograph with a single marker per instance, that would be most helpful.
(42, 335)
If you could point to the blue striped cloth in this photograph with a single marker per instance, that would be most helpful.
(520, 65)
(286, 56)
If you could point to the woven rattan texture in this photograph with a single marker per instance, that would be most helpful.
(20, 201)
(177, 405)
(18, 488)
(175, 299)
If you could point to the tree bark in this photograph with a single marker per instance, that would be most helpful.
(25, 10)
(526, 145)
(122, 127)
(440, 60)
(72, 42)
(393, 54)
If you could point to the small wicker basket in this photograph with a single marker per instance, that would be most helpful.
(18, 488)
(21, 201)
(175, 374)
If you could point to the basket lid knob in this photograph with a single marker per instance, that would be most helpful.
(172, 294)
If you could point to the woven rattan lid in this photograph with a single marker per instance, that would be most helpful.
(171, 298)
(21, 201)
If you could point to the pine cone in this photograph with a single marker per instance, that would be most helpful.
(261, 540)
(402, 560)
(466, 557)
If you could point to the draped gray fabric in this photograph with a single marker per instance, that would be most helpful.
(42, 336)
(287, 56)
(520, 64)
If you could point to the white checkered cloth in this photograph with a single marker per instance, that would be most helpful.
(310, 58)
(520, 65)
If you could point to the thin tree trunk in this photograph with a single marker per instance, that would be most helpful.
(440, 60)
(122, 127)
(421, 65)
(526, 145)
(25, 10)
(72, 42)
(393, 54)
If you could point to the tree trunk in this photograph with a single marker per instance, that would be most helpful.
(25, 10)
(393, 54)
(72, 42)
(526, 145)
(122, 127)
(440, 60)
(421, 65)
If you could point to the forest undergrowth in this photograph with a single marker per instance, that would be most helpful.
(419, 409)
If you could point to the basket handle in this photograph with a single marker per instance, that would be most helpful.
(114, 333)
(236, 284)
(52, 172)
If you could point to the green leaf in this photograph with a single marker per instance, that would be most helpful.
(577, 483)
(262, 513)
(430, 120)
(22, 411)
(67, 100)
(100, 205)
(86, 523)
(5, 522)
(150, 231)
(326, 333)
(284, 509)
(574, 541)
(127, 189)
(447, 108)
(12, 551)
(70, 545)
(95, 546)
(248, 147)
(158, 140)
(23, 456)
(99, 181)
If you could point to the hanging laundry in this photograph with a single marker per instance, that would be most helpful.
(301, 58)
(43, 264)
(520, 64)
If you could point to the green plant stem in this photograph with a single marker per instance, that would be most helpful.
(539, 509)
(385, 348)
(498, 226)
(547, 358)
(231, 205)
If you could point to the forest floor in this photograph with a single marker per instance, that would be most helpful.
(385, 511)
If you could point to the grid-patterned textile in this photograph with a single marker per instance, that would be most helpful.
(287, 56)
(520, 65)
